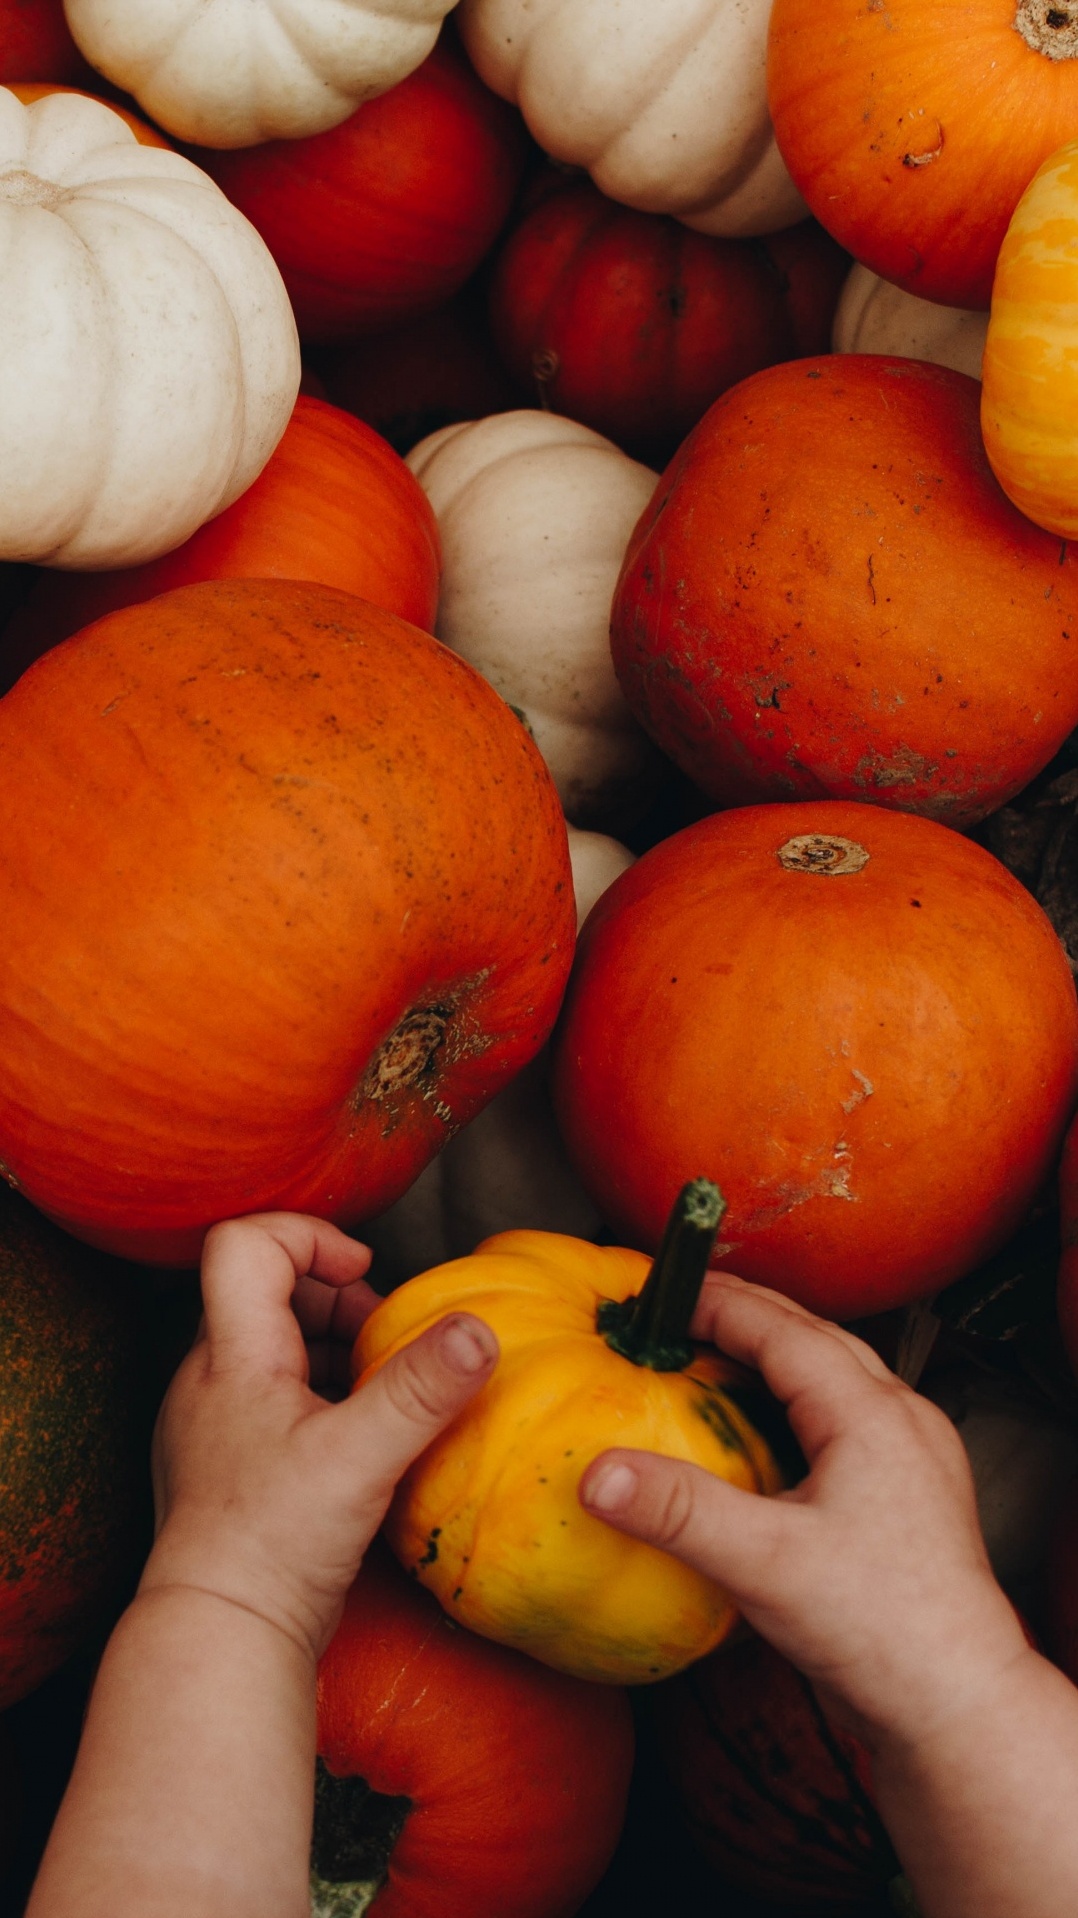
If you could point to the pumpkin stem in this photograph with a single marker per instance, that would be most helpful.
(652, 1328)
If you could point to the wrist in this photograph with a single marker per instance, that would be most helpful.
(186, 1572)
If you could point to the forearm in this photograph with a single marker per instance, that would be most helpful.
(983, 1813)
(192, 1791)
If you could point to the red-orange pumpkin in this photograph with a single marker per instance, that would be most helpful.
(425, 373)
(497, 1786)
(334, 504)
(777, 1799)
(632, 324)
(36, 44)
(830, 595)
(387, 214)
(286, 897)
(857, 1022)
(913, 127)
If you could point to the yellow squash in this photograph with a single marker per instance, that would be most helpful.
(489, 1517)
(1029, 390)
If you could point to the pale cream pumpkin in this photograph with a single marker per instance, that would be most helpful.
(149, 361)
(664, 104)
(508, 1166)
(535, 512)
(876, 316)
(224, 74)
(1029, 394)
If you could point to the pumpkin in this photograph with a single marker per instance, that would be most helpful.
(231, 77)
(456, 1776)
(665, 106)
(287, 899)
(333, 503)
(70, 1445)
(633, 324)
(1029, 399)
(776, 1798)
(121, 254)
(820, 1002)
(912, 129)
(508, 1167)
(875, 316)
(534, 512)
(30, 90)
(594, 1352)
(421, 374)
(874, 622)
(389, 213)
(36, 44)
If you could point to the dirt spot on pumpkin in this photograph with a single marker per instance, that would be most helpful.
(903, 767)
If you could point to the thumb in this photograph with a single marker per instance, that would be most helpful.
(736, 1537)
(395, 1412)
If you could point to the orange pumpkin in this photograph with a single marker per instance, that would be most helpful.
(830, 595)
(495, 1785)
(856, 1019)
(334, 504)
(386, 215)
(913, 128)
(287, 898)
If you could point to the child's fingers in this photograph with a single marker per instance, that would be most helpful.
(724, 1295)
(396, 1412)
(250, 1268)
(826, 1378)
(733, 1536)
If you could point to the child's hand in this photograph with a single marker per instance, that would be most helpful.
(871, 1574)
(266, 1494)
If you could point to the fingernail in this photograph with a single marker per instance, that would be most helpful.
(466, 1347)
(612, 1488)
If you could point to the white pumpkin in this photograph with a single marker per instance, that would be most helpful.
(232, 73)
(875, 316)
(663, 101)
(508, 1167)
(535, 513)
(149, 361)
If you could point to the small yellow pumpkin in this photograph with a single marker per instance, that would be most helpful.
(594, 1352)
(1029, 392)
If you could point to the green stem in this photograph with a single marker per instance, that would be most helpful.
(653, 1327)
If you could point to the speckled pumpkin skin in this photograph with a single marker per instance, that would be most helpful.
(71, 1422)
(286, 899)
(830, 596)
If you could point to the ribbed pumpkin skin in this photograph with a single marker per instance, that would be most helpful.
(831, 596)
(913, 129)
(1029, 395)
(877, 1066)
(68, 1438)
(632, 324)
(334, 504)
(387, 214)
(489, 1518)
(776, 1798)
(287, 897)
(517, 1775)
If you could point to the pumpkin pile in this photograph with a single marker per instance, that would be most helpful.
(471, 473)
